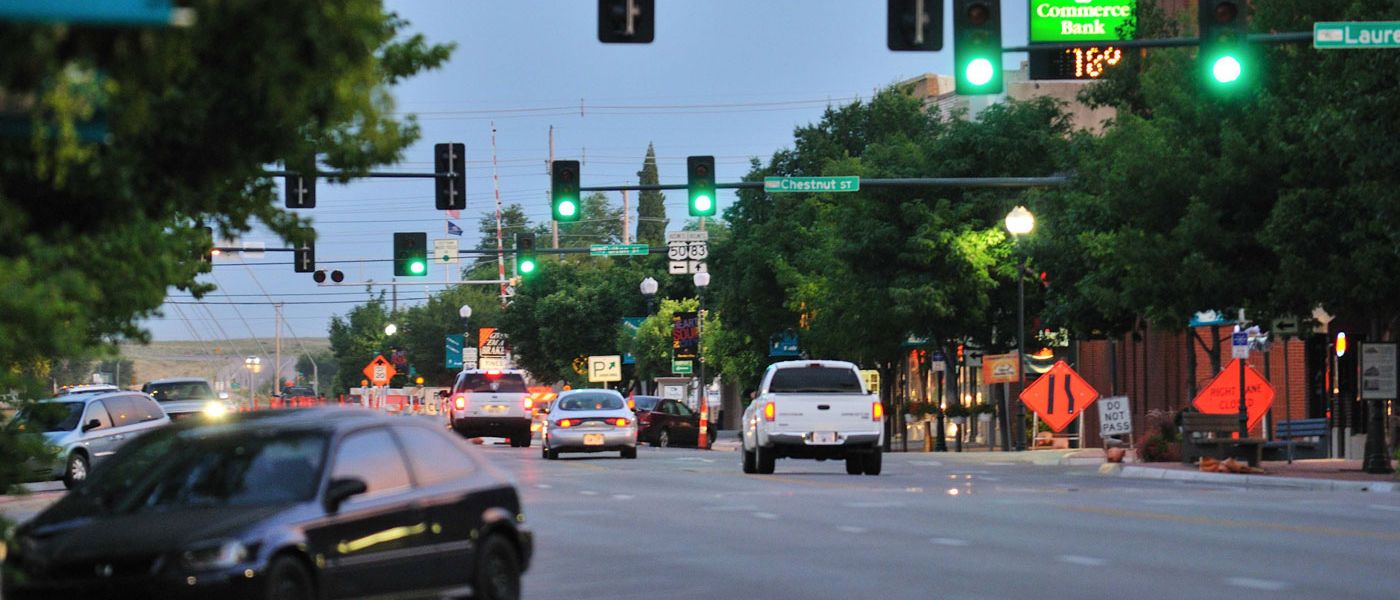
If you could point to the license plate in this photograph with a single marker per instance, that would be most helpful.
(495, 409)
(593, 439)
(824, 437)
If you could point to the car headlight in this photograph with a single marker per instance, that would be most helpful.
(214, 555)
(215, 409)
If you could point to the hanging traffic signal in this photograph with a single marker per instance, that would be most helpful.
(626, 21)
(700, 178)
(300, 192)
(525, 262)
(1224, 52)
(977, 47)
(914, 25)
(410, 254)
(304, 258)
(450, 166)
(564, 192)
(208, 250)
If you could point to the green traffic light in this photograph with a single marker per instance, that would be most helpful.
(1226, 69)
(980, 71)
(417, 267)
(567, 208)
(527, 267)
(703, 203)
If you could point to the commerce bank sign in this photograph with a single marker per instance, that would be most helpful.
(1080, 20)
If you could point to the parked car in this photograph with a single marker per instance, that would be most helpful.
(590, 421)
(292, 505)
(665, 423)
(186, 397)
(84, 428)
(491, 404)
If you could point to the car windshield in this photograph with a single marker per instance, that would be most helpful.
(815, 379)
(48, 417)
(180, 390)
(590, 402)
(645, 402)
(172, 469)
(509, 383)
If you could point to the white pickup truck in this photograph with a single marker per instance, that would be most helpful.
(813, 409)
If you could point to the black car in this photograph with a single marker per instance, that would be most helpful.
(662, 422)
(318, 503)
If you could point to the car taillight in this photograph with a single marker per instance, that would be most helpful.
(644, 418)
(528, 402)
(770, 412)
(566, 423)
(877, 411)
(620, 422)
(460, 402)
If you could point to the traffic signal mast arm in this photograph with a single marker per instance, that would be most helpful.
(1292, 37)
(965, 182)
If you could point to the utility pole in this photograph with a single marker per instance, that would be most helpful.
(394, 304)
(500, 248)
(277, 360)
(554, 225)
(626, 218)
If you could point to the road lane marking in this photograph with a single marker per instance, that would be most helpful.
(1386, 507)
(1257, 584)
(926, 463)
(765, 515)
(589, 493)
(1264, 525)
(953, 542)
(543, 486)
(874, 504)
(852, 529)
(623, 496)
(1083, 561)
(1000, 464)
(742, 508)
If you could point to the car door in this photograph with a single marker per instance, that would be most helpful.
(440, 469)
(372, 541)
(100, 442)
(687, 424)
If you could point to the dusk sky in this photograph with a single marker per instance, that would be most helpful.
(729, 78)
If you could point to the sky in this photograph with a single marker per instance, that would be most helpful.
(728, 78)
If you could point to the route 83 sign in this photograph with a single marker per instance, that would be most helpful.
(686, 250)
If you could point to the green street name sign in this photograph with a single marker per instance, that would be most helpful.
(1356, 34)
(1080, 20)
(682, 367)
(618, 250)
(811, 184)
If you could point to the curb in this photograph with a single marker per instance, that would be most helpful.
(1293, 483)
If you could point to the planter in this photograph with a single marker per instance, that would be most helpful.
(1115, 455)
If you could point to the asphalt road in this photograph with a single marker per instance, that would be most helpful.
(678, 523)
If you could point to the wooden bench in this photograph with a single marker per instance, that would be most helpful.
(1308, 437)
(1209, 435)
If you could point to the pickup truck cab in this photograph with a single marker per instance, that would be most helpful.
(813, 409)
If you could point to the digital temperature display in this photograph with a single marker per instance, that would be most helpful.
(1084, 62)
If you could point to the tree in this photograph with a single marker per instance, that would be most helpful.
(600, 223)
(652, 345)
(355, 340)
(651, 204)
(513, 221)
(424, 328)
(326, 369)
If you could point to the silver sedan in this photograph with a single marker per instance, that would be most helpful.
(590, 421)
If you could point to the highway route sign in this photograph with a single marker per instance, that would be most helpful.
(687, 251)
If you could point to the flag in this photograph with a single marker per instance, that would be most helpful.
(454, 214)
(453, 229)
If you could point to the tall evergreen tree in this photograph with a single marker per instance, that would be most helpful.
(651, 207)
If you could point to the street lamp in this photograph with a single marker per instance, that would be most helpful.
(391, 329)
(1019, 222)
(702, 280)
(253, 364)
(648, 288)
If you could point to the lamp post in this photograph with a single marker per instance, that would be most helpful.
(702, 280)
(391, 329)
(1020, 222)
(253, 364)
(648, 289)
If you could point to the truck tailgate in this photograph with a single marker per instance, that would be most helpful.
(804, 413)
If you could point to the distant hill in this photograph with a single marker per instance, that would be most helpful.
(216, 361)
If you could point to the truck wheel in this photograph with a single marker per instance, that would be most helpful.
(749, 466)
(765, 460)
(873, 461)
(855, 464)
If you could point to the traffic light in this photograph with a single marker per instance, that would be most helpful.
(626, 21)
(410, 254)
(564, 192)
(300, 192)
(1224, 45)
(207, 250)
(304, 258)
(915, 25)
(700, 174)
(450, 166)
(525, 253)
(320, 276)
(977, 47)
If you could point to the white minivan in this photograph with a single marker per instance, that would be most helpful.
(83, 429)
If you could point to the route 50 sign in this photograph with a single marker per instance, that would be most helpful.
(687, 250)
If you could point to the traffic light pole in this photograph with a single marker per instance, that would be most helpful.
(954, 182)
(1291, 37)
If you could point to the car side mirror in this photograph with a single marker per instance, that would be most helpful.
(341, 490)
(91, 425)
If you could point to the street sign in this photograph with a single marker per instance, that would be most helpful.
(1378, 371)
(1356, 35)
(492, 343)
(97, 12)
(783, 344)
(872, 380)
(1239, 344)
(938, 363)
(618, 249)
(453, 352)
(1059, 396)
(682, 367)
(379, 371)
(630, 325)
(687, 251)
(445, 251)
(1114, 416)
(811, 184)
(469, 358)
(685, 335)
(492, 363)
(605, 368)
(1222, 395)
(1001, 368)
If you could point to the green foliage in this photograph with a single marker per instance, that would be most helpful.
(327, 367)
(356, 340)
(651, 205)
(423, 329)
(652, 345)
(600, 223)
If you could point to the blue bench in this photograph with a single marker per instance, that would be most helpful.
(1308, 437)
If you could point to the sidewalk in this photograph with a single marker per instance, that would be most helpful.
(1311, 474)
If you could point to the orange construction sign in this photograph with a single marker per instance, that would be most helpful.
(379, 371)
(1222, 395)
(1059, 396)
